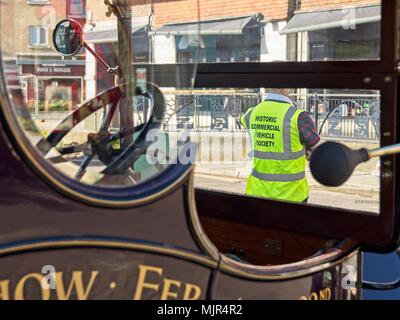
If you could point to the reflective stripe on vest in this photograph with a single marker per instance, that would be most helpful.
(279, 177)
(247, 118)
(278, 155)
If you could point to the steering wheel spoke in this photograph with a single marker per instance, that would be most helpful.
(82, 169)
(139, 147)
(99, 144)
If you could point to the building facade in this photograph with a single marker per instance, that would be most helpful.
(187, 31)
(336, 30)
(47, 81)
(184, 31)
(229, 31)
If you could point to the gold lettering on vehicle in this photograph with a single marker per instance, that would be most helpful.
(20, 287)
(324, 294)
(142, 284)
(4, 290)
(151, 281)
(77, 283)
(192, 292)
(170, 288)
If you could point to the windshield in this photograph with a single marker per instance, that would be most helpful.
(80, 84)
(106, 91)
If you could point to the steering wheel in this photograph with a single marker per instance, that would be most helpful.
(116, 161)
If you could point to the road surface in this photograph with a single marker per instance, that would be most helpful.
(360, 193)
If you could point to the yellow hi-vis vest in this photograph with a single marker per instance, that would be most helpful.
(279, 160)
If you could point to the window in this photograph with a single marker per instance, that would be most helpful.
(140, 45)
(339, 44)
(221, 48)
(227, 39)
(38, 1)
(76, 8)
(38, 36)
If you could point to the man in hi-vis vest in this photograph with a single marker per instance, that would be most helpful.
(282, 137)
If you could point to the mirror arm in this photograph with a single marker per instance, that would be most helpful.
(393, 149)
(97, 56)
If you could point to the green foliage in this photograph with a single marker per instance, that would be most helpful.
(59, 105)
(31, 106)
(43, 132)
(27, 124)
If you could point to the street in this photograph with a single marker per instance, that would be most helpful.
(360, 193)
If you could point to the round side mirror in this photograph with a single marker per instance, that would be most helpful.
(68, 37)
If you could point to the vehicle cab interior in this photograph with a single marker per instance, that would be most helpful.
(124, 119)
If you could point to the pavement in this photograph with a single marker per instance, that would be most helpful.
(360, 192)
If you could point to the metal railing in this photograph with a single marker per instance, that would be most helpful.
(346, 116)
(349, 116)
(208, 112)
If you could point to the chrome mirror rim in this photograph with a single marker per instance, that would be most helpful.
(54, 38)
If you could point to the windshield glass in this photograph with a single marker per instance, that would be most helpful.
(79, 81)
(104, 90)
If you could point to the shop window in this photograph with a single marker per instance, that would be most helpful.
(220, 48)
(361, 43)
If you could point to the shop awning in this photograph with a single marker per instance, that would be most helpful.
(106, 36)
(339, 18)
(234, 25)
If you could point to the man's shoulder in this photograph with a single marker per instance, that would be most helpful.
(303, 113)
(304, 116)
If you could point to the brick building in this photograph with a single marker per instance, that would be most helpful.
(336, 30)
(251, 19)
(167, 32)
(33, 68)
(179, 31)
(312, 5)
(186, 31)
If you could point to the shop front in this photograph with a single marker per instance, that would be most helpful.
(53, 85)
